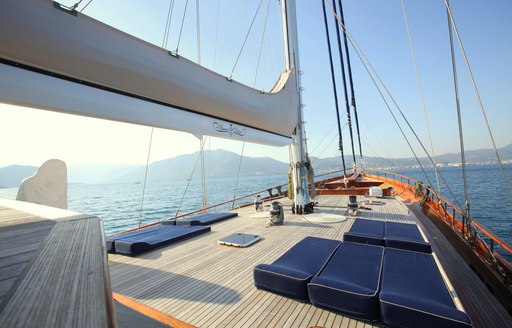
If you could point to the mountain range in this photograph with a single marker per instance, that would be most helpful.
(220, 163)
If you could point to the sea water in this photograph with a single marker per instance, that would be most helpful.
(121, 206)
(489, 202)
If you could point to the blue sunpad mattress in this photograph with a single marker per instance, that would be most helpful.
(388, 234)
(208, 218)
(349, 283)
(110, 241)
(405, 236)
(413, 293)
(290, 274)
(366, 232)
(167, 235)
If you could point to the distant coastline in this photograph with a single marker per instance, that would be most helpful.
(223, 163)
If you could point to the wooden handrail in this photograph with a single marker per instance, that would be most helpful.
(476, 224)
(489, 234)
(150, 312)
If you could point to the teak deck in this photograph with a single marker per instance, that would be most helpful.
(207, 285)
(51, 274)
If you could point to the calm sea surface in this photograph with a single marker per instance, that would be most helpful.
(119, 205)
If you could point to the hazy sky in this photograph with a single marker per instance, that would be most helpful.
(30, 136)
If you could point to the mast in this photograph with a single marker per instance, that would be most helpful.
(299, 160)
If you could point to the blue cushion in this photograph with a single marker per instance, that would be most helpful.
(208, 218)
(349, 283)
(405, 236)
(183, 223)
(366, 232)
(162, 237)
(290, 274)
(168, 222)
(413, 293)
(110, 241)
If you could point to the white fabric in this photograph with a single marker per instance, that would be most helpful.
(48, 186)
(375, 192)
(40, 36)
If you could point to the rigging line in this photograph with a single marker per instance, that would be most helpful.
(328, 145)
(504, 177)
(75, 5)
(145, 178)
(340, 140)
(352, 92)
(367, 65)
(261, 44)
(413, 53)
(181, 28)
(238, 174)
(168, 24)
(245, 40)
(344, 79)
(450, 22)
(378, 140)
(377, 154)
(373, 150)
(198, 33)
(400, 128)
(459, 117)
(203, 178)
(87, 4)
(189, 180)
(276, 70)
(216, 36)
(323, 138)
(208, 173)
(223, 28)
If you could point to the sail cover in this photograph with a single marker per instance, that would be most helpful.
(64, 61)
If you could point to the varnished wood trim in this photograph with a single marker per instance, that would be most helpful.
(150, 312)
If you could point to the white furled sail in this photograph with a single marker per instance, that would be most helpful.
(61, 60)
(48, 186)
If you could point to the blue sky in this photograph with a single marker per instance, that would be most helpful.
(378, 27)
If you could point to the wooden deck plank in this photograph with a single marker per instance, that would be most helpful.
(289, 321)
(282, 313)
(199, 261)
(21, 235)
(68, 267)
(337, 321)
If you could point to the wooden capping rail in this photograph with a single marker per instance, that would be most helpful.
(489, 234)
(66, 283)
(452, 220)
(150, 312)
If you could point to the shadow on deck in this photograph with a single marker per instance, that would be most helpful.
(171, 286)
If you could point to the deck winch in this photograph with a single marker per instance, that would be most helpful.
(352, 206)
(258, 204)
(276, 214)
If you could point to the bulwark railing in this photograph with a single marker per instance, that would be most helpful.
(471, 231)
